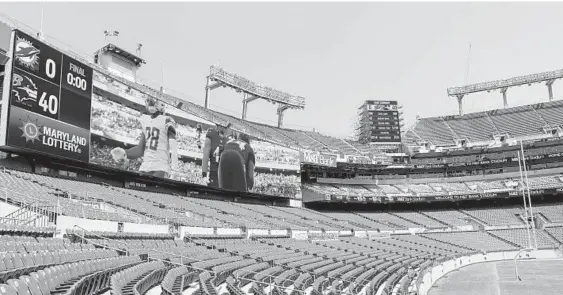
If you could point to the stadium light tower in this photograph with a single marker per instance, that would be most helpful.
(503, 85)
(251, 92)
(139, 47)
(109, 33)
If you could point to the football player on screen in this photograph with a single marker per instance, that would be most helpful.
(157, 146)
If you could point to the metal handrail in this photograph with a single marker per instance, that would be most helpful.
(33, 207)
(6, 189)
(104, 246)
(174, 254)
(271, 276)
(270, 284)
(84, 198)
(9, 221)
(182, 260)
(180, 264)
(96, 235)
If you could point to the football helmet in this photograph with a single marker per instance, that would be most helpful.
(153, 105)
(119, 155)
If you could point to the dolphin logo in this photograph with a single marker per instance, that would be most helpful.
(26, 54)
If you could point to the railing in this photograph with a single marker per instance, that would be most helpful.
(84, 199)
(149, 258)
(8, 221)
(270, 277)
(41, 213)
(137, 216)
(83, 238)
(156, 276)
(285, 268)
(176, 255)
(38, 214)
(12, 192)
(273, 285)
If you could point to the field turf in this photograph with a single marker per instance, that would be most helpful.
(498, 278)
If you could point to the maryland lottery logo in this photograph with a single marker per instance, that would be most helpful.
(52, 137)
(26, 54)
(31, 130)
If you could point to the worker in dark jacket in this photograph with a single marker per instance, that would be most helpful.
(212, 149)
(236, 165)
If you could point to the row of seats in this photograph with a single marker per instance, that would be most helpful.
(433, 189)
(211, 213)
(519, 121)
(59, 279)
(332, 266)
(124, 282)
(15, 264)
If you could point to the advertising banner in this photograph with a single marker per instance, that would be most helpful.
(316, 158)
(34, 132)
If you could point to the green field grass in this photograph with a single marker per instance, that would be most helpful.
(498, 278)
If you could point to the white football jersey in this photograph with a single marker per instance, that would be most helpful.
(157, 147)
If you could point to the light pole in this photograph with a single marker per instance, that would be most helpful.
(139, 47)
(109, 33)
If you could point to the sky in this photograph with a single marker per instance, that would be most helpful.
(336, 55)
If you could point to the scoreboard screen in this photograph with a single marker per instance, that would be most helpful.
(383, 119)
(49, 100)
(48, 107)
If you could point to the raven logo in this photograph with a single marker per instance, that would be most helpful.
(26, 54)
(31, 130)
(24, 89)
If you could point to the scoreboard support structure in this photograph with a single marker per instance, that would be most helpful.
(245, 100)
(251, 92)
(281, 109)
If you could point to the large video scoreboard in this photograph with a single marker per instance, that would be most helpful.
(382, 120)
(48, 108)
(48, 97)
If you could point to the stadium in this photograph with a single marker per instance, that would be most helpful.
(451, 204)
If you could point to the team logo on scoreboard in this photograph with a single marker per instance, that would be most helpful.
(24, 89)
(26, 54)
(31, 130)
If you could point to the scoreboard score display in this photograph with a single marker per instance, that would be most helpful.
(383, 117)
(49, 101)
